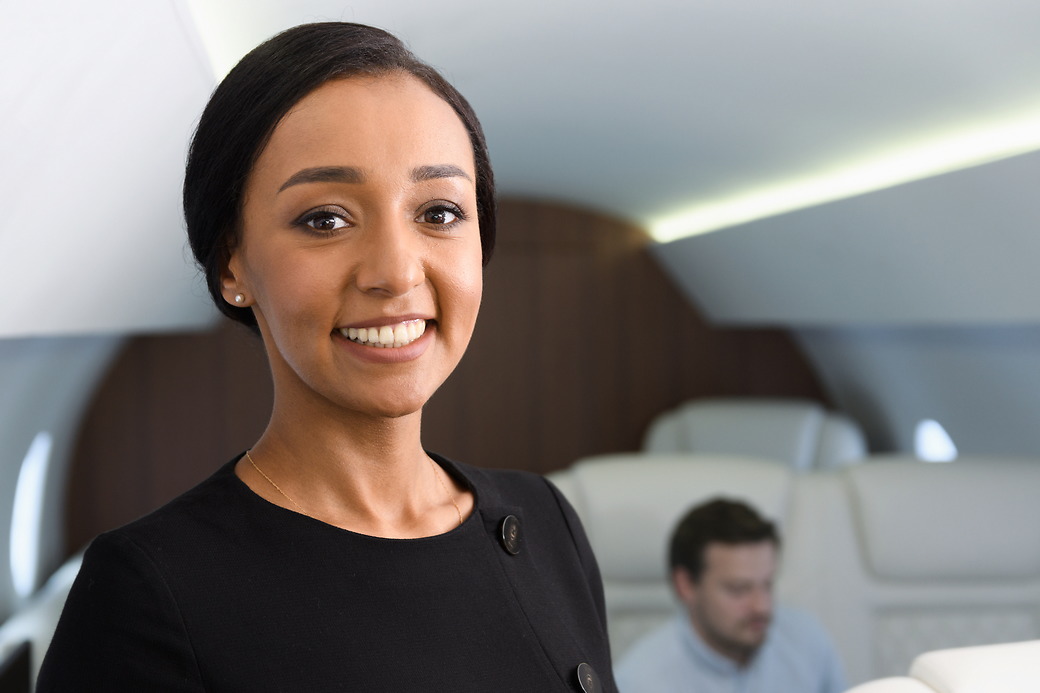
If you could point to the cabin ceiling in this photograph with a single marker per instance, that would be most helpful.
(640, 110)
(646, 109)
(658, 109)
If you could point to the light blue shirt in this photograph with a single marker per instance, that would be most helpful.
(796, 657)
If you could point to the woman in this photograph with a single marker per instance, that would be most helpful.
(339, 197)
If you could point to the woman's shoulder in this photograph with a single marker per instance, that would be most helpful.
(207, 509)
(500, 486)
(531, 498)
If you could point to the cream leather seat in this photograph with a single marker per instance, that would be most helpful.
(629, 505)
(799, 433)
(892, 684)
(894, 558)
(1002, 668)
(898, 559)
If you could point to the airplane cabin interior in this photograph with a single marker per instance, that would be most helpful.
(778, 253)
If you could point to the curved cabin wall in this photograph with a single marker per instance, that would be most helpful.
(581, 341)
(914, 302)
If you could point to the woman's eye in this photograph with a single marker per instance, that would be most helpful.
(323, 220)
(440, 216)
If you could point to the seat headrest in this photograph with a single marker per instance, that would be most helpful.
(958, 520)
(1008, 668)
(630, 504)
(799, 433)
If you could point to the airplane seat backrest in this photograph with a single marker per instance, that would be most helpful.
(898, 559)
(1007, 668)
(1000, 668)
(36, 620)
(8, 483)
(893, 684)
(841, 443)
(630, 503)
(800, 433)
(46, 385)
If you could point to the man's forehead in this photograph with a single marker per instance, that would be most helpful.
(751, 558)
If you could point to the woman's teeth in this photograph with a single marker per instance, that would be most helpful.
(386, 336)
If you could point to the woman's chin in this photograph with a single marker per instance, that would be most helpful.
(397, 411)
(396, 406)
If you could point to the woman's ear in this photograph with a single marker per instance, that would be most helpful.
(231, 286)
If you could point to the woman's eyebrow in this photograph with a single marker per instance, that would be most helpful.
(325, 174)
(349, 174)
(423, 173)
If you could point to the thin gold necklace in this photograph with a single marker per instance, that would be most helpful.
(278, 488)
(449, 494)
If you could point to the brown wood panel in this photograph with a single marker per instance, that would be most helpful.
(581, 341)
(171, 409)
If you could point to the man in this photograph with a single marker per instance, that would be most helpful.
(729, 638)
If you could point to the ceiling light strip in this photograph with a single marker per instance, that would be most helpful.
(915, 162)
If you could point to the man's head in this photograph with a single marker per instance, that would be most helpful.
(723, 558)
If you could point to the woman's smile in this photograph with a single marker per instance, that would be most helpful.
(386, 336)
(405, 341)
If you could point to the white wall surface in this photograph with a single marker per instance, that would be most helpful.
(99, 99)
(981, 384)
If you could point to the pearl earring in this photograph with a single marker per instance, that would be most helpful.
(239, 298)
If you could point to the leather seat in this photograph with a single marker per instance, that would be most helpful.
(629, 504)
(1002, 668)
(897, 559)
(799, 433)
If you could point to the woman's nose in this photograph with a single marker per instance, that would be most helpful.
(391, 259)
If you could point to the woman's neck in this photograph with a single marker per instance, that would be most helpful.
(367, 474)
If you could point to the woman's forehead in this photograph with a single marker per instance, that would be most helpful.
(392, 119)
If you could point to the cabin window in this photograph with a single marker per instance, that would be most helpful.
(932, 443)
(27, 514)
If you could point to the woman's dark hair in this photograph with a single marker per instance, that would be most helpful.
(249, 103)
(719, 521)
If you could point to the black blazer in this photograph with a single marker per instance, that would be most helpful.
(221, 590)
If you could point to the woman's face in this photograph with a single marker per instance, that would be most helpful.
(359, 249)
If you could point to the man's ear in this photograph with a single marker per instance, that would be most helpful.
(684, 585)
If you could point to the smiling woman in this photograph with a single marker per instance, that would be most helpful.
(339, 198)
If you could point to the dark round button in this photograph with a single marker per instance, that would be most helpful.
(587, 678)
(510, 534)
